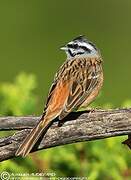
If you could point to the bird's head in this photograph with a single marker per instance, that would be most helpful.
(80, 46)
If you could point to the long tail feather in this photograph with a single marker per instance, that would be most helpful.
(32, 138)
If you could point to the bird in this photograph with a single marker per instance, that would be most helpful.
(76, 84)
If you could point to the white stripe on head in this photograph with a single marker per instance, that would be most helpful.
(71, 42)
(89, 46)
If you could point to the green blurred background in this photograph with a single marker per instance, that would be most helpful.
(31, 33)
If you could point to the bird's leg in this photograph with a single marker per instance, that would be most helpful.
(60, 123)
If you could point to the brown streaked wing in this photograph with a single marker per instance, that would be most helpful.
(57, 99)
(59, 76)
(81, 88)
(49, 95)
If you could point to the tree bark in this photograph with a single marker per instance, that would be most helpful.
(76, 127)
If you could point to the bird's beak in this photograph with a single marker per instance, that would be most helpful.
(64, 48)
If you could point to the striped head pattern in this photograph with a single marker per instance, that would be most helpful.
(80, 46)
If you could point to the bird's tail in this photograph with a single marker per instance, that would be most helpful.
(32, 138)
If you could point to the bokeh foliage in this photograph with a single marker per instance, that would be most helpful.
(103, 159)
(16, 98)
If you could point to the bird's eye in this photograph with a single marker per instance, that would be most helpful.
(75, 46)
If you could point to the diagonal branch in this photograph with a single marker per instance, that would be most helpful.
(78, 127)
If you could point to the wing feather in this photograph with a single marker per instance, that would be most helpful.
(73, 83)
(80, 89)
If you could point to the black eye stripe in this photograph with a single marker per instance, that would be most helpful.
(70, 45)
(75, 46)
(85, 48)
